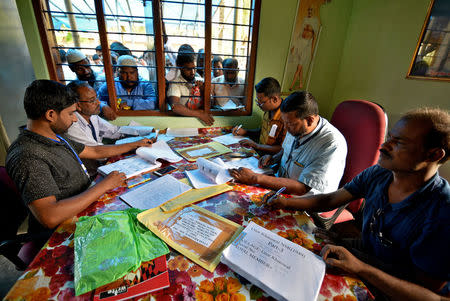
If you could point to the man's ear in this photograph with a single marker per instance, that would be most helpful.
(51, 115)
(310, 120)
(436, 154)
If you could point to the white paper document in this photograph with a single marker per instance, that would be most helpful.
(281, 268)
(158, 150)
(228, 139)
(155, 193)
(208, 173)
(230, 105)
(130, 166)
(134, 139)
(184, 132)
(136, 130)
(250, 163)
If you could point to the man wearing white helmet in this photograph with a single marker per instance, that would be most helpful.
(80, 65)
(133, 94)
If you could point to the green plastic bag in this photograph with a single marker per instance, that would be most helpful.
(109, 245)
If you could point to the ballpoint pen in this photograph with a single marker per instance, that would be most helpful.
(280, 191)
(238, 128)
(156, 136)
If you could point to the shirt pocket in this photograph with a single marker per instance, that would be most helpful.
(295, 169)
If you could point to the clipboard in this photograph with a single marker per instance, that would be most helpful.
(206, 150)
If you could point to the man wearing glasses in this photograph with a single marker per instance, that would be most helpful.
(89, 129)
(406, 224)
(312, 158)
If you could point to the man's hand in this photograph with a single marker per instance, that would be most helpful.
(341, 258)
(278, 202)
(124, 106)
(238, 131)
(200, 84)
(206, 118)
(244, 175)
(142, 142)
(109, 113)
(265, 161)
(113, 180)
(248, 143)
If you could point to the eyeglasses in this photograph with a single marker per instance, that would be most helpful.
(261, 103)
(89, 101)
(378, 233)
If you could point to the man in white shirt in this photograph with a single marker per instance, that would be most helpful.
(90, 129)
(229, 85)
(313, 154)
(185, 94)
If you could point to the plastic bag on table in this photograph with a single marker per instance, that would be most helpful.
(109, 245)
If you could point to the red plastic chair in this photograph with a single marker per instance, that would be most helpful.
(363, 124)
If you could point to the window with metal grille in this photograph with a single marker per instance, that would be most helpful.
(149, 57)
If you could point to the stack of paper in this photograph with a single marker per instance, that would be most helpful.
(155, 193)
(184, 132)
(228, 139)
(158, 150)
(281, 268)
(131, 166)
(135, 130)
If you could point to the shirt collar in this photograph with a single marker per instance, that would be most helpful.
(318, 127)
(39, 138)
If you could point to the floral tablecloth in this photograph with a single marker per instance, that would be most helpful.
(50, 275)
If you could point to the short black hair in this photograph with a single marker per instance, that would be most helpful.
(62, 55)
(98, 48)
(186, 48)
(75, 85)
(95, 57)
(120, 48)
(43, 95)
(268, 86)
(230, 62)
(184, 58)
(217, 59)
(302, 102)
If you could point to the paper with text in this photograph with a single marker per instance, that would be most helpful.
(155, 193)
(135, 130)
(158, 150)
(134, 139)
(272, 262)
(208, 173)
(230, 105)
(130, 166)
(228, 139)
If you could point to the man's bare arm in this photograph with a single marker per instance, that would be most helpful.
(182, 110)
(50, 212)
(106, 151)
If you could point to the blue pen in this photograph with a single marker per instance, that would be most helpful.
(280, 191)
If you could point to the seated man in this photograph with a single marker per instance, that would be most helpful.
(46, 166)
(272, 131)
(313, 154)
(229, 85)
(89, 129)
(134, 94)
(80, 65)
(406, 221)
(185, 94)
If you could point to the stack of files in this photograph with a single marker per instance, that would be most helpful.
(183, 132)
(215, 172)
(151, 276)
(143, 162)
(281, 268)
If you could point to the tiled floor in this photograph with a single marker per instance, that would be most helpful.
(8, 276)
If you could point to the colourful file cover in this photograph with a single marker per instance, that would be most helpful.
(206, 150)
(149, 277)
(195, 232)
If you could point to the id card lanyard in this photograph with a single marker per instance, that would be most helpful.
(75, 153)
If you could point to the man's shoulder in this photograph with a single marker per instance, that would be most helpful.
(23, 149)
(330, 134)
(218, 79)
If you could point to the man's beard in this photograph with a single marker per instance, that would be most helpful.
(59, 130)
(189, 79)
(129, 84)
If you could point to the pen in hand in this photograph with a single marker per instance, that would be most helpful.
(156, 136)
(273, 197)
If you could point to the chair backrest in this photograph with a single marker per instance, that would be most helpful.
(363, 125)
(13, 211)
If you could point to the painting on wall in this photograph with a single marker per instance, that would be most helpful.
(431, 56)
(303, 45)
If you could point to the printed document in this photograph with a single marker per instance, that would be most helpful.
(158, 150)
(281, 268)
(228, 139)
(131, 166)
(155, 193)
(230, 105)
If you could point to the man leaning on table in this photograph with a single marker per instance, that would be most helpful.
(406, 224)
(46, 166)
(313, 153)
(272, 131)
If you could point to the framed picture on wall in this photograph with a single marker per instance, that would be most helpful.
(431, 56)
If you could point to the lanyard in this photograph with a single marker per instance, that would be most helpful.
(75, 153)
(294, 146)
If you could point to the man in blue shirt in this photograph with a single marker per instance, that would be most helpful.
(406, 222)
(133, 94)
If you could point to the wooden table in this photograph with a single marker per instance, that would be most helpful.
(50, 275)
